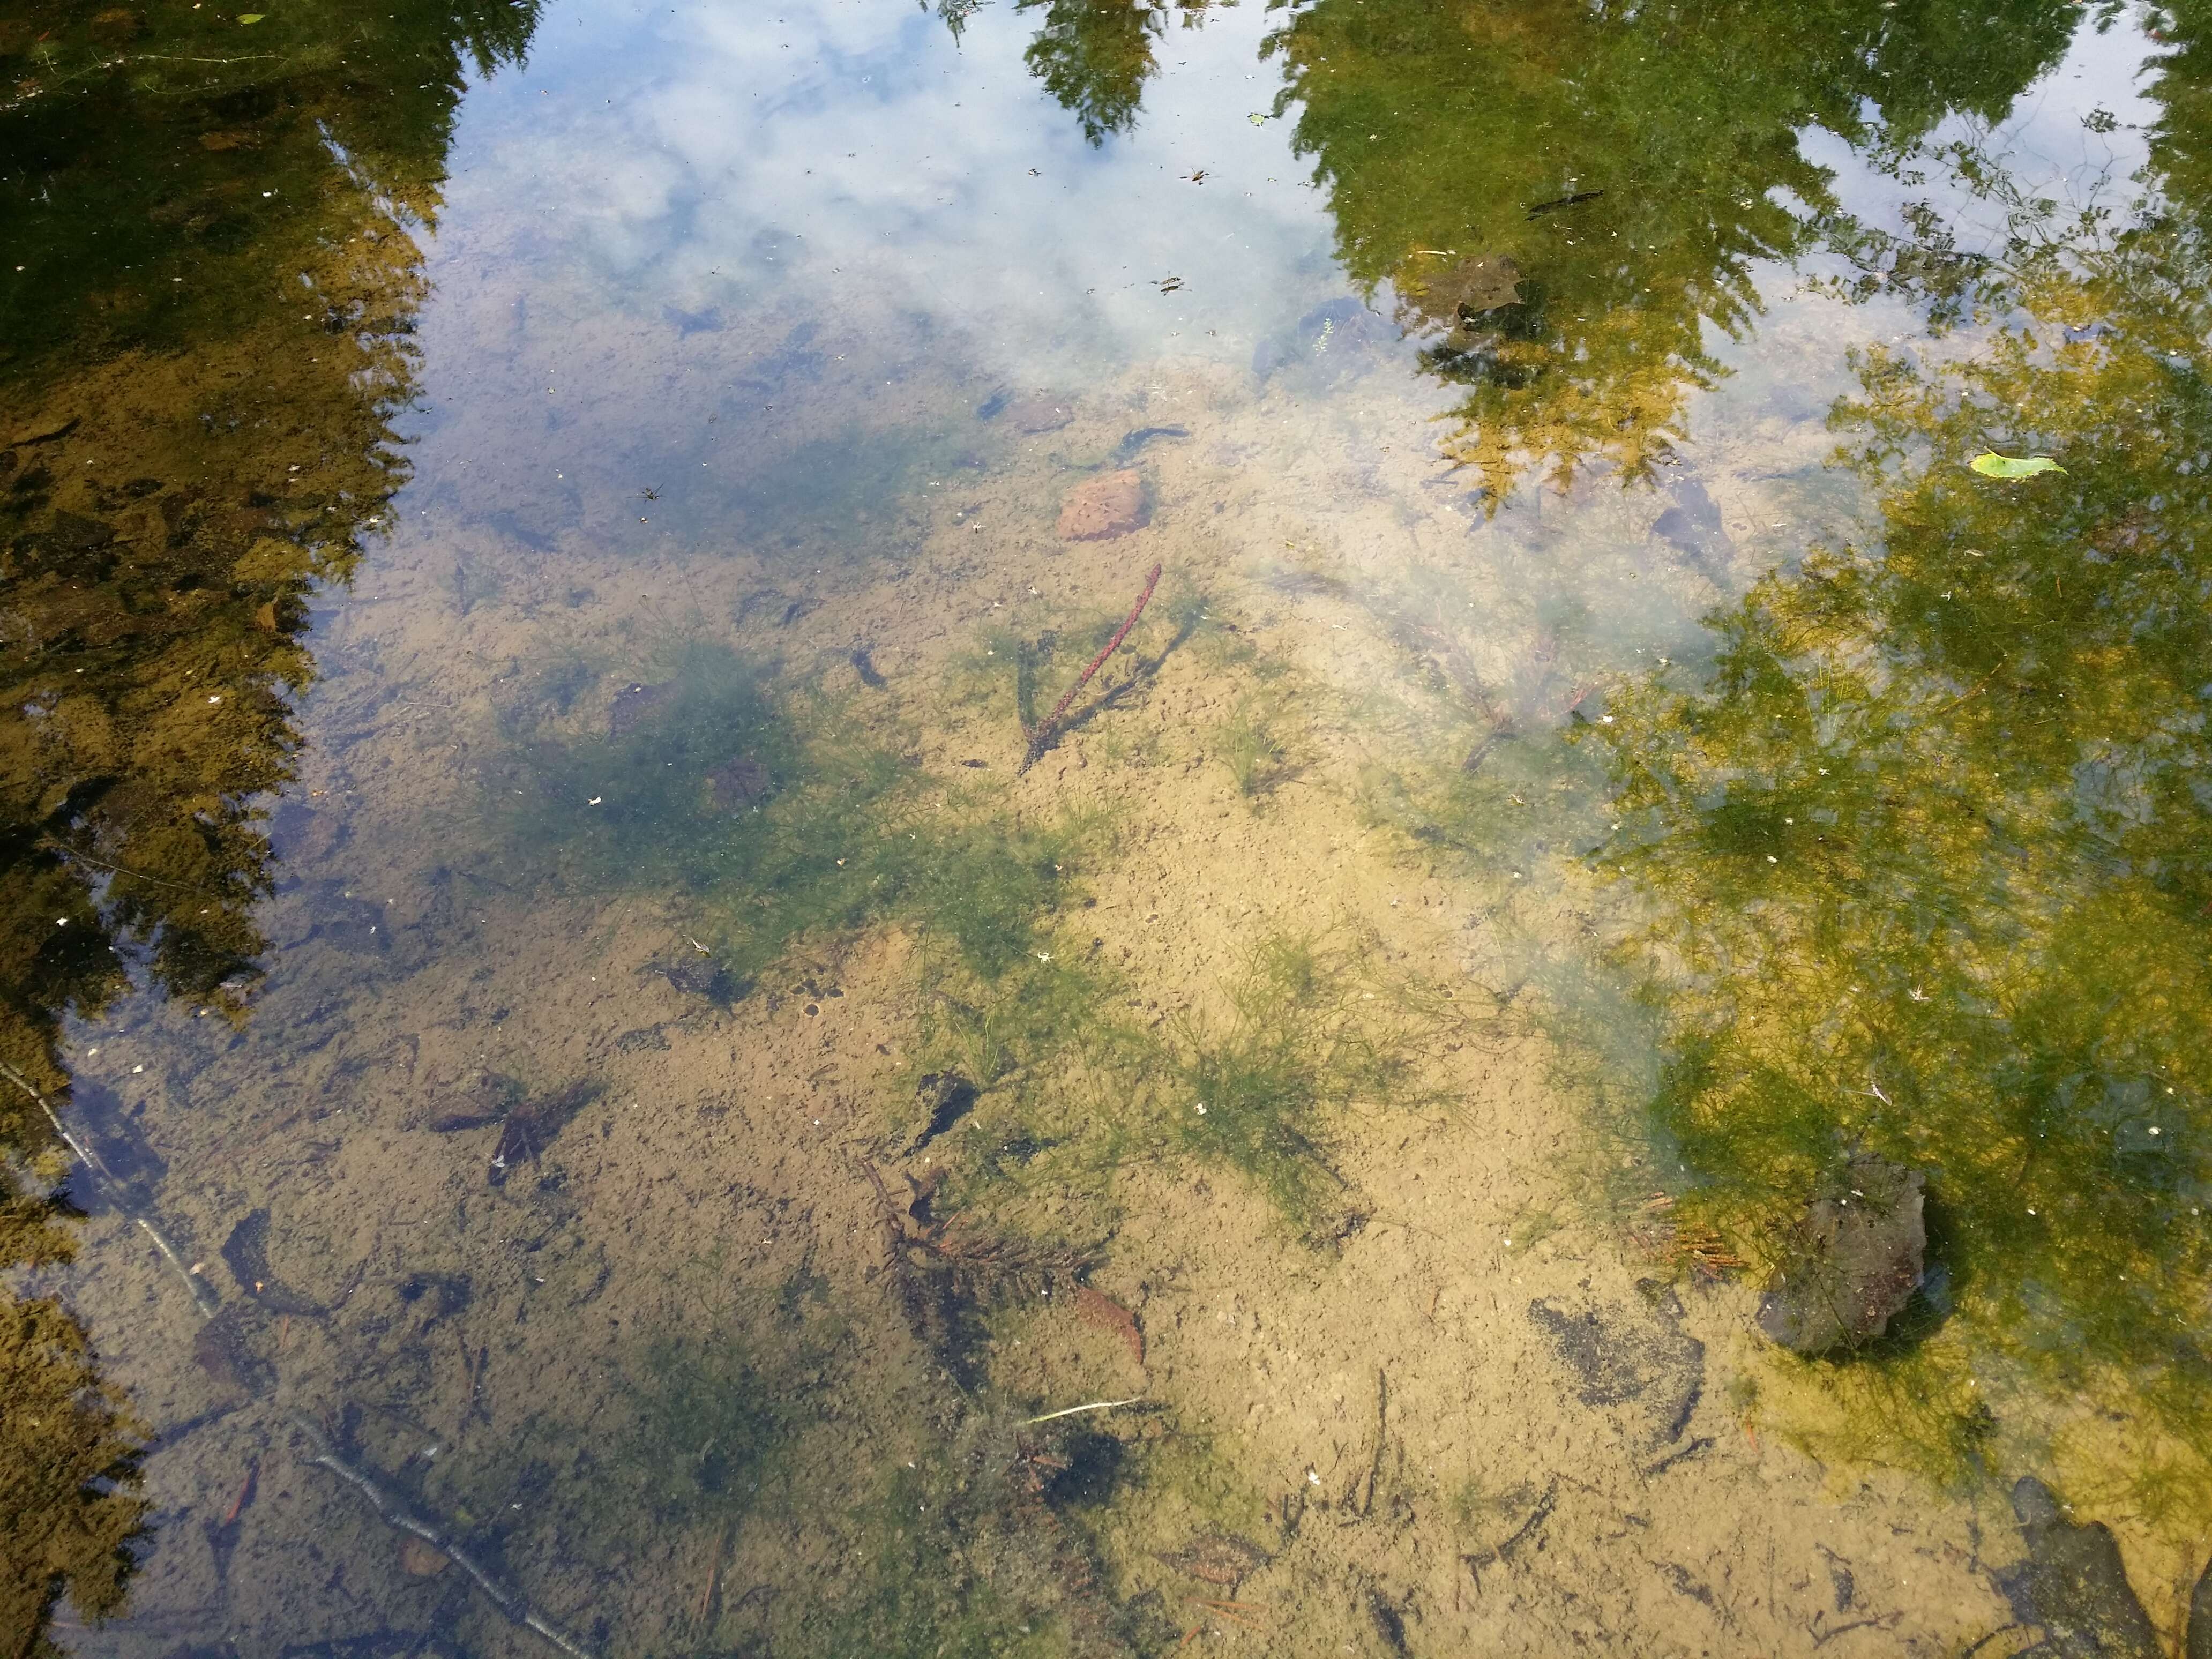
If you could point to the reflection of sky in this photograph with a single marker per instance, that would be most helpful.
(707, 157)
(2044, 144)
(638, 217)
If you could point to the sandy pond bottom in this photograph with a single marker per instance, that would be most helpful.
(725, 1362)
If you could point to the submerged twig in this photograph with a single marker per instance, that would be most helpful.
(1094, 1405)
(203, 1294)
(395, 1514)
(1040, 738)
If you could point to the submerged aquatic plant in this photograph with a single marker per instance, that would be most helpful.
(1247, 743)
(1255, 1087)
(745, 797)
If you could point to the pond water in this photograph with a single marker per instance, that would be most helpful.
(1055, 828)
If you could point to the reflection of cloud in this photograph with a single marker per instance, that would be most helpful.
(707, 157)
(2045, 146)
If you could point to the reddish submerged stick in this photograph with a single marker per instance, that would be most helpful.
(1043, 735)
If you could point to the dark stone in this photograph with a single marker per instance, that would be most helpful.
(1618, 1356)
(740, 784)
(1858, 1256)
(2199, 1644)
(2074, 1586)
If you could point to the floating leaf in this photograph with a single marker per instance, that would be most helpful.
(252, 16)
(1990, 465)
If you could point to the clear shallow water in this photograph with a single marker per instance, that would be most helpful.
(606, 1106)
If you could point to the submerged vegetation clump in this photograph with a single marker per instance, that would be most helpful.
(741, 797)
(1254, 1086)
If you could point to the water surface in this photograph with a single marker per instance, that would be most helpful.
(614, 1042)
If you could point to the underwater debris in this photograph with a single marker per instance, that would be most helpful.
(1040, 738)
(395, 1514)
(1858, 1256)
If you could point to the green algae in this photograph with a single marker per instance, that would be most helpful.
(755, 807)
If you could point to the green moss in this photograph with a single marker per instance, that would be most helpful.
(752, 802)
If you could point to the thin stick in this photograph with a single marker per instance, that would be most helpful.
(714, 1573)
(68, 851)
(395, 1514)
(1095, 1406)
(1043, 735)
(203, 1297)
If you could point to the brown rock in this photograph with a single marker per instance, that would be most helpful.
(1040, 413)
(1858, 1256)
(419, 1561)
(1112, 504)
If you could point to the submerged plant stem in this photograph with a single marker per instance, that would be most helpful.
(1043, 735)
(1073, 1411)
(395, 1514)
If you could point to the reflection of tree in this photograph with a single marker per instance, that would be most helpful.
(1437, 125)
(1929, 862)
(199, 362)
(1094, 56)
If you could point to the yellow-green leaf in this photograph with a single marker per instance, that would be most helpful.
(252, 16)
(1990, 465)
